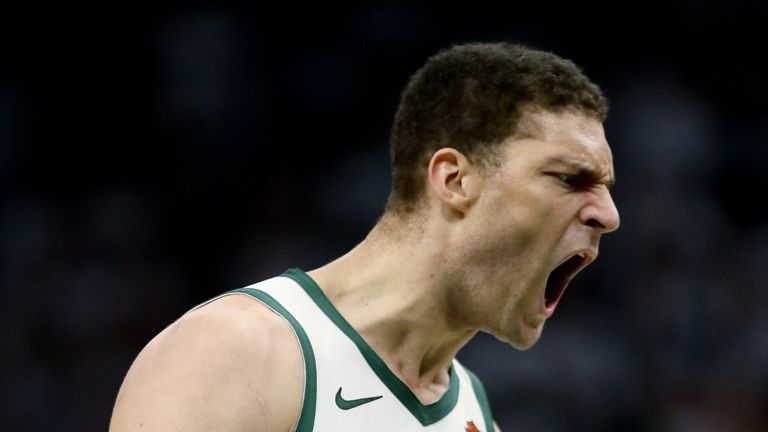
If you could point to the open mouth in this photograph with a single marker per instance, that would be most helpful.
(560, 277)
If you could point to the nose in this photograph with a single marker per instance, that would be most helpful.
(601, 212)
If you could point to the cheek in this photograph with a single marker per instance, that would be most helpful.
(510, 233)
(523, 225)
(502, 260)
(500, 240)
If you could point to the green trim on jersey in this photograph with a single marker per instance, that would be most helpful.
(482, 399)
(425, 414)
(307, 417)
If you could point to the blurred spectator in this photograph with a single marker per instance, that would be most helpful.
(149, 163)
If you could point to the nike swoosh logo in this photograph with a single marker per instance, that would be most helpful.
(349, 404)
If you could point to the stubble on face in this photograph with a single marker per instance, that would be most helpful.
(522, 223)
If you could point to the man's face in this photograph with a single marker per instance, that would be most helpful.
(536, 223)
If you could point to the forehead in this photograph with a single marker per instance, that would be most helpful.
(565, 138)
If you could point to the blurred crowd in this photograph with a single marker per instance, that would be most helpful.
(148, 163)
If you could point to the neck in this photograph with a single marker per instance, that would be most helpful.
(391, 291)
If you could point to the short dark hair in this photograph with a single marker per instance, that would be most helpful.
(471, 97)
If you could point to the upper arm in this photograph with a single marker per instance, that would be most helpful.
(496, 427)
(231, 365)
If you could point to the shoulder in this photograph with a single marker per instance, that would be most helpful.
(231, 364)
(482, 398)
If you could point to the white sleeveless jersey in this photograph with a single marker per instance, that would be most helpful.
(347, 386)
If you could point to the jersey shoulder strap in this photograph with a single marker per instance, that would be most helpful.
(261, 292)
(482, 399)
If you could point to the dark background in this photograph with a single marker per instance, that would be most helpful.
(150, 159)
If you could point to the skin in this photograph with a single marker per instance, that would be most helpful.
(417, 288)
(527, 219)
(225, 366)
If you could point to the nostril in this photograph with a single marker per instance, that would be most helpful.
(594, 223)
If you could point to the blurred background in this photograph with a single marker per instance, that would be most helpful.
(151, 159)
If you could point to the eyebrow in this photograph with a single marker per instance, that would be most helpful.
(583, 169)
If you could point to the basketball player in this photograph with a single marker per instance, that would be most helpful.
(501, 178)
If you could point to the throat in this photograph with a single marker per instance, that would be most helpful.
(418, 355)
(428, 386)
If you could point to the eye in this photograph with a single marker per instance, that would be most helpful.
(567, 178)
(571, 181)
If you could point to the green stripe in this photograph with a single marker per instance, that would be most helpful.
(425, 414)
(307, 418)
(482, 399)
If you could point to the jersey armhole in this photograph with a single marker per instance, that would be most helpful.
(482, 400)
(309, 401)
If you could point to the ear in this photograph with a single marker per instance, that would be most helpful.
(453, 179)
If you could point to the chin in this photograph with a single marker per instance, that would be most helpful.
(524, 345)
(523, 338)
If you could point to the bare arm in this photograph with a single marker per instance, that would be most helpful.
(231, 365)
(496, 427)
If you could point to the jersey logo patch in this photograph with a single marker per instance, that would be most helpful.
(352, 403)
(471, 427)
